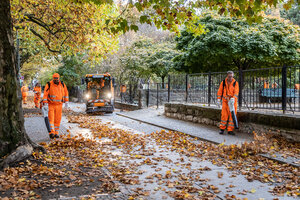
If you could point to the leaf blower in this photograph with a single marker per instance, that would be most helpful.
(232, 111)
(45, 110)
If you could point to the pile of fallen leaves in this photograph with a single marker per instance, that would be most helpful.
(119, 137)
(70, 162)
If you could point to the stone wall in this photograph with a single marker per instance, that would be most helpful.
(249, 121)
(126, 106)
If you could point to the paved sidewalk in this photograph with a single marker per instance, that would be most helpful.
(36, 129)
(156, 117)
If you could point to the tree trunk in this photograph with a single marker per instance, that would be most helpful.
(13, 138)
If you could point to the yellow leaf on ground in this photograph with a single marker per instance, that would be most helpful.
(253, 190)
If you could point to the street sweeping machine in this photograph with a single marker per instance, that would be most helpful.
(99, 93)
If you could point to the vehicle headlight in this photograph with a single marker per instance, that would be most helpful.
(108, 95)
(87, 96)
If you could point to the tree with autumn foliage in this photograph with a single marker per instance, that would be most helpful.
(167, 14)
(161, 60)
(73, 69)
(147, 58)
(231, 43)
(49, 28)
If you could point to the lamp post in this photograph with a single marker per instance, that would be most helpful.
(18, 58)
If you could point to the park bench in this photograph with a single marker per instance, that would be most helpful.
(275, 95)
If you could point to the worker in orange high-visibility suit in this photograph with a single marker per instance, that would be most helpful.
(102, 83)
(274, 85)
(229, 88)
(37, 94)
(266, 85)
(24, 91)
(55, 94)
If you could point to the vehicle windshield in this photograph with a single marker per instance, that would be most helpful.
(98, 88)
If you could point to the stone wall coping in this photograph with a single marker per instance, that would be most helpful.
(239, 111)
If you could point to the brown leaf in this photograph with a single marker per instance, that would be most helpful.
(220, 174)
(72, 177)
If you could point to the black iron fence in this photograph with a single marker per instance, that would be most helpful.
(268, 88)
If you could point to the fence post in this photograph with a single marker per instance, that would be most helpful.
(148, 94)
(121, 93)
(241, 84)
(130, 93)
(169, 85)
(284, 80)
(140, 98)
(186, 87)
(209, 88)
(157, 85)
(299, 89)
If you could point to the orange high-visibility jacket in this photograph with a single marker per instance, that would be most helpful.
(24, 91)
(229, 90)
(38, 90)
(57, 94)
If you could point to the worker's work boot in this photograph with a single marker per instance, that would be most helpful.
(51, 135)
(231, 133)
(221, 132)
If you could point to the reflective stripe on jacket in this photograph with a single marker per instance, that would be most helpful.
(56, 94)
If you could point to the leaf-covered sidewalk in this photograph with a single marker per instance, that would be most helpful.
(116, 163)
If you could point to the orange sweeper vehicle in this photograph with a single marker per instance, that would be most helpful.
(99, 93)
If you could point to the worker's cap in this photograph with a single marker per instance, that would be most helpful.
(55, 76)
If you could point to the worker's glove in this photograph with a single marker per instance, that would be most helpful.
(219, 102)
(66, 105)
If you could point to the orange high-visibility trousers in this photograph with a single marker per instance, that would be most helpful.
(37, 98)
(226, 118)
(54, 115)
